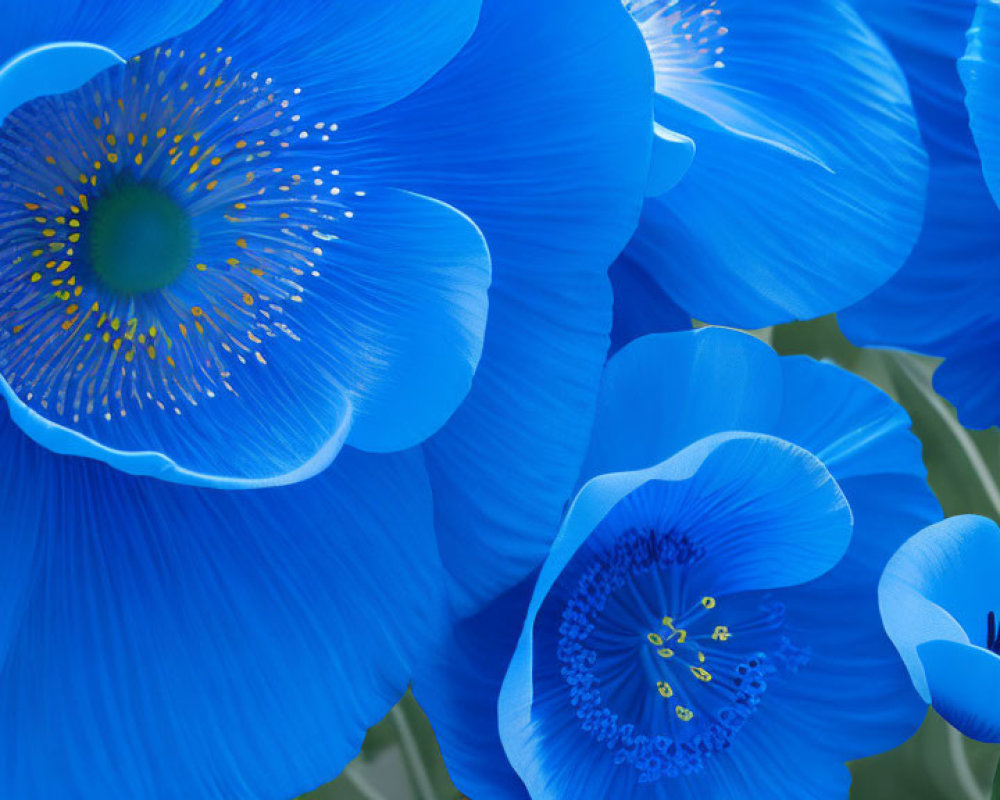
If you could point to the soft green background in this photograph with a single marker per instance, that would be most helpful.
(400, 760)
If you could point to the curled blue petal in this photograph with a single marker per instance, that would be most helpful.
(980, 70)
(560, 116)
(965, 686)
(940, 585)
(185, 642)
(806, 193)
(185, 299)
(672, 156)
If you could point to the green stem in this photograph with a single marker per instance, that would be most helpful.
(360, 784)
(411, 754)
(995, 794)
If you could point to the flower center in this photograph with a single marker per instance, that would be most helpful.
(992, 634)
(666, 696)
(139, 239)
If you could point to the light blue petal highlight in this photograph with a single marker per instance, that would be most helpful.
(672, 156)
(807, 189)
(50, 69)
(965, 687)
(940, 585)
(980, 71)
(663, 392)
(180, 642)
(556, 120)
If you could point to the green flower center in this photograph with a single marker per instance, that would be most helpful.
(139, 239)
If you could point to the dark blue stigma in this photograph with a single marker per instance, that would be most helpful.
(992, 635)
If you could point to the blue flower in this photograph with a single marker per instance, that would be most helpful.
(943, 301)
(724, 475)
(806, 187)
(138, 617)
(247, 245)
(940, 604)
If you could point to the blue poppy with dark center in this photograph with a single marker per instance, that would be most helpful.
(944, 300)
(806, 188)
(940, 604)
(705, 624)
(219, 263)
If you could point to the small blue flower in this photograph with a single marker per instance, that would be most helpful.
(944, 300)
(726, 478)
(806, 188)
(940, 604)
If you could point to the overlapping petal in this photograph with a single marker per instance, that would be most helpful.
(561, 137)
(182, 642)
(806, 192)
(980, 70)
(965, 686)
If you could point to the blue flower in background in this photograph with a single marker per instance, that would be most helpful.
(980, 71)
(940, 603)
(944, 301)
(807, 182)
(711, 511)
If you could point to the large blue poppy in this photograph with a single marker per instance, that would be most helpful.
(943, 301)
(317, 278)
(806, 187)
(674, 400)
(940, 603)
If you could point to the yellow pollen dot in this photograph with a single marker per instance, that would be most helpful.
(654, 639)
(216, 161)
(36, 277)
(664, 689)
(50, 160)
(74, 237)
(241, 144)
(232, 261)
(151, 351)
(130, 355)
(247, 299)
(684, 714)
(239, 206)
(72, 308)
(111, 140)
(74, 223)
(17, 328)
(701, 674)
(48, 233)
(182, 328)
(116, 324)
(196, 311)
(211, 185)
(200, 267)
(32, 206)
(131, 138)
(138, 159)
(161, 133)
(241, 242)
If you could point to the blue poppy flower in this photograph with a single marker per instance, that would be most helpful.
(806, 188)
(315, 282)
(665, 440)
(167, 641)
(943, 301)
(940, 604)
(197, 285)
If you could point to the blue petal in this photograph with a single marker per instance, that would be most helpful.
(941, 584)
(767, 514)
(184, 642)
(458, 684)
(965, 687)
(346, 58)
(556, 120)
(116, 24)
(806, 193)
(672, 156)
(641, 306)
(926, 308)
(968, 378)
(663, 392)
(980, 70)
